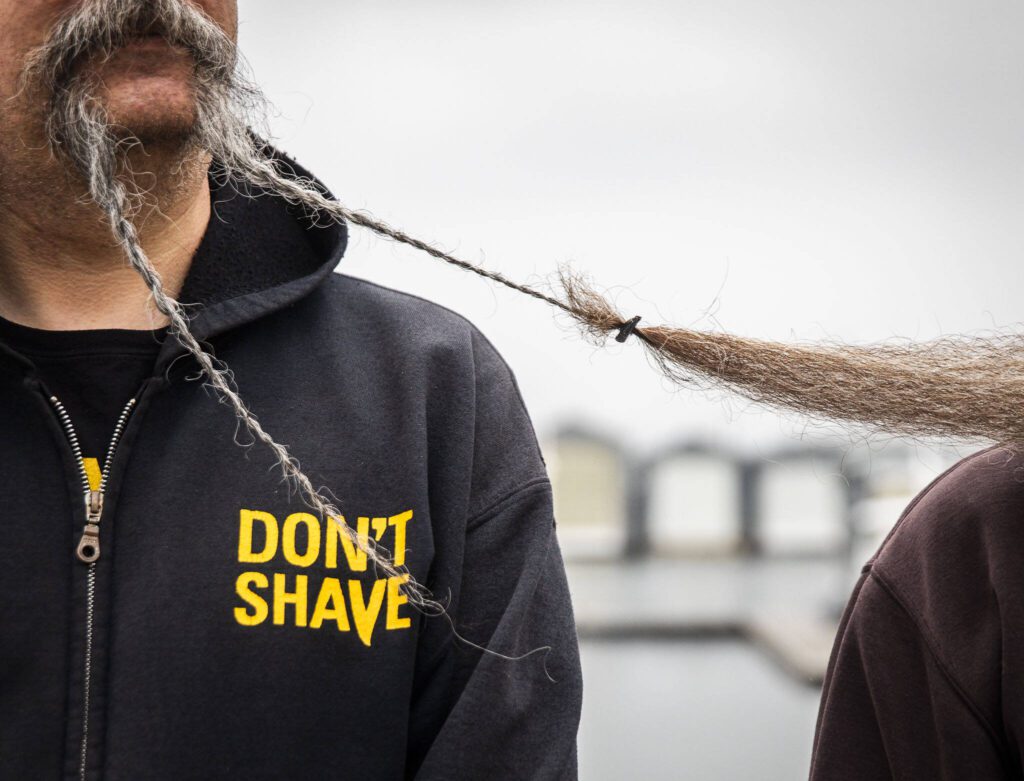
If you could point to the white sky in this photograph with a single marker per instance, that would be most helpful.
(798, 169)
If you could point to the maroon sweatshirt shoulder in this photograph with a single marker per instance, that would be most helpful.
(955, 563)
(978, 501)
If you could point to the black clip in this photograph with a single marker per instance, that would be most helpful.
(627, 328)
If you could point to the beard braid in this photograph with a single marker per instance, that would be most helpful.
(961, 388)
(78, 130)
(956, 387)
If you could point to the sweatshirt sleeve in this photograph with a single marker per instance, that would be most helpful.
(890, 707)
(492, 717)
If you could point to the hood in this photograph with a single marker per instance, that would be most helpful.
(259, 254)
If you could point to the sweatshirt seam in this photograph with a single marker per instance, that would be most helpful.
(479, 517)
(840, 638)
(922, 629)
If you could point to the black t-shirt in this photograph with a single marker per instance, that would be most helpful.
(94, 373)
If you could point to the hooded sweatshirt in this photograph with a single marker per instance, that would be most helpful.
(219, 629)
(925, 676)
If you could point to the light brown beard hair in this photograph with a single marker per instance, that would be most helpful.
(956, 387)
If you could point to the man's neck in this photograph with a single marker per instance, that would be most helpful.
(60, 268)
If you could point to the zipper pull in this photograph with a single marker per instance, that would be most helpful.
(89, 543)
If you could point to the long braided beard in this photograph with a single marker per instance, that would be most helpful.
(78, 130)
(957, 387)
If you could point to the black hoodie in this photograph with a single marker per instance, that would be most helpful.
(224, 631)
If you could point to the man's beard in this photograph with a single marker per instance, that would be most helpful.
(958, 387)
(79, 132)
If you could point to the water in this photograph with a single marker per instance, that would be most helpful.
(691, 710)
(704, 705)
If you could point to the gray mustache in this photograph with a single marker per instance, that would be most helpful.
(97, 28)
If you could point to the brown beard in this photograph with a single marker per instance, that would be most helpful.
(957, 387)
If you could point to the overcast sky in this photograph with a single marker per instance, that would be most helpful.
(788, 170)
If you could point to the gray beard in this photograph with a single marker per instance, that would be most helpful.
(958, 387)
(78, 131)
(962, 388)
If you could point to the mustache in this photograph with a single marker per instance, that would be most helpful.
(68, 97)
(97, 28)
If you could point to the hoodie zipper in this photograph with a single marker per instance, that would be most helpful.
(88, 550)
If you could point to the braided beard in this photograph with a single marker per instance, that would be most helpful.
(78, 130)
(964, 388)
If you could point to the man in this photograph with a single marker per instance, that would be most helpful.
(171, 610)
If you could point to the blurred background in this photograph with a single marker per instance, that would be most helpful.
(786, 170)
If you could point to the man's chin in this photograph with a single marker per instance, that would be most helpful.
(155, 136)
(152, 101)
(157, 126)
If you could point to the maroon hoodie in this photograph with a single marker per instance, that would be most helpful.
(926, 679)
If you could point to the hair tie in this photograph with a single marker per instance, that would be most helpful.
(627, 328)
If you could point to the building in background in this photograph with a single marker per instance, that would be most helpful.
(708, 585)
